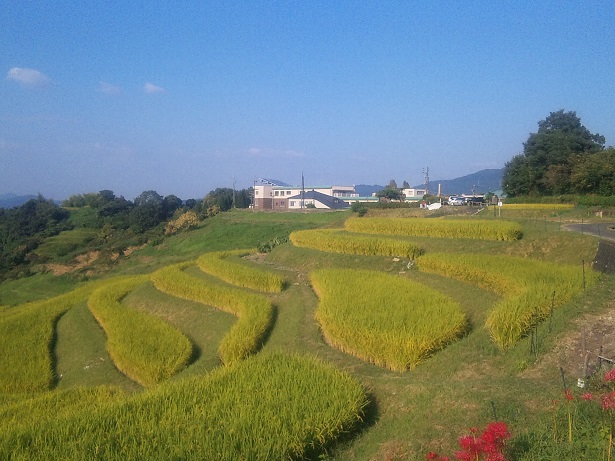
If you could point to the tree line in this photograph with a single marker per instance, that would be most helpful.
(562, 157)
(121, 222)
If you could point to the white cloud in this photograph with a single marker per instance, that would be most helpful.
(28, 77)
(108, 88)
(151, 88)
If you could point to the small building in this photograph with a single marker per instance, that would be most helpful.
(412, 195)
(317, 200)
(276, 195)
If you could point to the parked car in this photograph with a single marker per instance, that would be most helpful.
(456, 201)
(474, 200)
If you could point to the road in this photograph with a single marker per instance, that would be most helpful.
(604, 230)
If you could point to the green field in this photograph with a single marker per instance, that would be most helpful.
(385, 414)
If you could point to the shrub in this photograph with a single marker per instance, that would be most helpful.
(188, 220)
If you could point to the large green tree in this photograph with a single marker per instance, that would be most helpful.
(549, 156)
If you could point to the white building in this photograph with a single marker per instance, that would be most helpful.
(278, 196)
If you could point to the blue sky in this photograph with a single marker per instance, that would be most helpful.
(185, 97)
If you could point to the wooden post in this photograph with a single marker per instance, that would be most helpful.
(600, 358)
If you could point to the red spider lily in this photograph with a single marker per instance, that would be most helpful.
(588, 396)
(495, 436)
(610, 376)
(568, 395)
(608, 401)
(472, 447)
(490, 444)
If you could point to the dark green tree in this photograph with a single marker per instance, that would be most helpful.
(390, 193)
(549, 155)
(595, 173)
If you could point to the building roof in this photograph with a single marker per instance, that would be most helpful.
(274, 182)
(331, 202)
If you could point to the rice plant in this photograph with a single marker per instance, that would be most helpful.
(530, 288)
(338, 241)
(226, 266)
(268, 407)
(392, 322)
(254, 310)
(26, 341)
(442, 228)
(145, 348)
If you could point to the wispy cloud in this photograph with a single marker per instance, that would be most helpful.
(271, 153)
(30, 78)
(151, 88)
(108, 88)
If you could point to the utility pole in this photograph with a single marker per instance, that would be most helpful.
(302, 191)
(426, 179)
(234, 203)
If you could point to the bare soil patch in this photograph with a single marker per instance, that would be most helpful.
(81, 262)
(593, 334)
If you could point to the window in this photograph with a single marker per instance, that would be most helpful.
(292, 203)
(277, 192)
(287, 192)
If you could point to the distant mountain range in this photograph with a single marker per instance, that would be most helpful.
(479, 183)
(13, 200)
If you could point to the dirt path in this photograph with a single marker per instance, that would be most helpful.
(592, 333)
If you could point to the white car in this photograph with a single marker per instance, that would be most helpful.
(456, 201)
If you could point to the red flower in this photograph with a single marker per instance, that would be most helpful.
(588, 396)
(608, 401)
(495, 457)
(610, 376)
(568, 395)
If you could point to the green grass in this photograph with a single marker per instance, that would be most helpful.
(81, 353)
(67, 244)
(34, 288)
